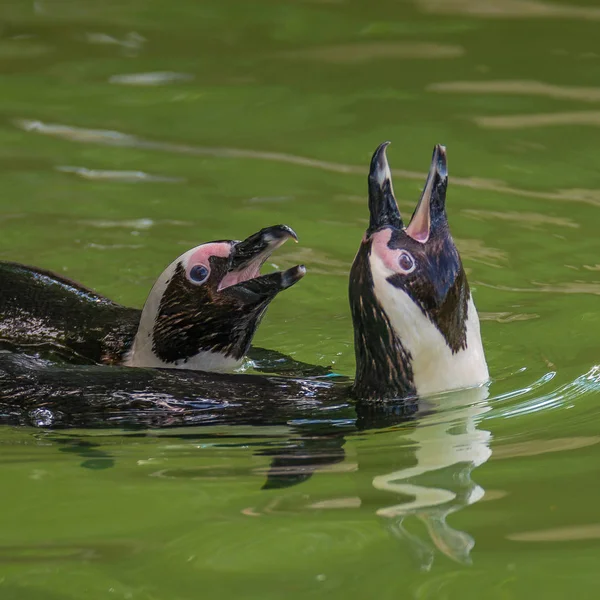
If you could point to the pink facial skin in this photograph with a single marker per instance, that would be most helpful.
(388, 256)
(391, 257)
(201, 255)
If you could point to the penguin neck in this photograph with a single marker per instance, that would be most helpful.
(383, 364)
(143, 350)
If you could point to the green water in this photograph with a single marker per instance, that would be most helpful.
(269, 112)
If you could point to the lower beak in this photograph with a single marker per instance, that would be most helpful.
(267, 286)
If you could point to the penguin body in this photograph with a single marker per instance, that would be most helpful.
(44, 312)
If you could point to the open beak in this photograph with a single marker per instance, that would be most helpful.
(248, 256)
(383, 207)
(433, 197)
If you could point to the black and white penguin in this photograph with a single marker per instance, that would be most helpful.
(416, 328)
(201, 313)
(416, 334)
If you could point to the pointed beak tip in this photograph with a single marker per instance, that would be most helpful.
(379, 172)
(379, 155)
(292, 276)
(440, 160)
(279, 234)
(289, 232)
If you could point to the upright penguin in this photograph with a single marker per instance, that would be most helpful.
(416, 329)
(201, 313)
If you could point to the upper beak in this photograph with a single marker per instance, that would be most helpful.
(255, 250)
(433, 198)
(248, 256)
(383, 207)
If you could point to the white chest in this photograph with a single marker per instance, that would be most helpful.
(435, 368)
(142, 355)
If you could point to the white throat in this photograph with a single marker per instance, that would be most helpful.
(435, 368)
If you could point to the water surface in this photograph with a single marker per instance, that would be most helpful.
(133, 130)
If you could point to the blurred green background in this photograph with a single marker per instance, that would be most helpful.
(132, 130)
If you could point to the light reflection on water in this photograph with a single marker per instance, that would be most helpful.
(116, 138)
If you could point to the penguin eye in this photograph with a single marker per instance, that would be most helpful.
(406, 262)
(199, 273)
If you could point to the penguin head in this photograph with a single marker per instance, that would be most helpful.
(204, 309)
(416, 327)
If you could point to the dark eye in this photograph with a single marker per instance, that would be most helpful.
(199, 273)
(406, 262)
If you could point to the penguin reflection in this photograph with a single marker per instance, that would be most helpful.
(432, 457)
(446, 447)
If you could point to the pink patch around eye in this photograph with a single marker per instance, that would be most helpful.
(202, 254)
(389, 257)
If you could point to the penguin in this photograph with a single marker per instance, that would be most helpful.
(416, 328)
(416, 334)
(201, 313)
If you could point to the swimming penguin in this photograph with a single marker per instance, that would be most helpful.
(201, 313)
(416, 329)
(416, 333)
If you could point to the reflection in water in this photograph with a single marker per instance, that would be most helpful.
(157, 78)
(475, 250)
(364, 52)
(519, 88)
(507, 317)
(131, 43)
(503, 9)
(572, 287)
(437, 449)
(129, 223)
(560, 534)
(527, 220)
(580, 117)
(537, 447)
(123, 176)
(320, 262)
(116, 138)
(447, 447)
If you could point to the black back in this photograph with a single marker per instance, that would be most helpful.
(41, 311)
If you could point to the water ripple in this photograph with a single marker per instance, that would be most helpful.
(561, 397)
(124, 176)
(116, 138)
(518, 88)
(150, 79)
(515, 9)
